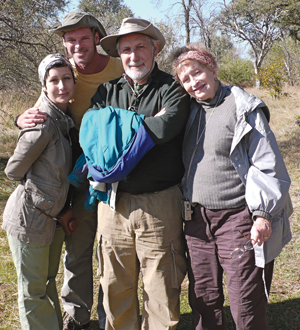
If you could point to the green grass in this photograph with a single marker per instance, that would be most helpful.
(284, 307)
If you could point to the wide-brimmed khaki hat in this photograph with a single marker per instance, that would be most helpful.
(132, 25)
(78, 19)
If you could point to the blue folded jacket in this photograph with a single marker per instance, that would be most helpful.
(113, 141)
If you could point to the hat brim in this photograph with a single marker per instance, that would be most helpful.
(61, 30)
(109, 43)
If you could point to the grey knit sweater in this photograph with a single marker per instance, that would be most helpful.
(210, 178)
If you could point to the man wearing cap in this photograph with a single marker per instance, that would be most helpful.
(144, 232)
(80, 32)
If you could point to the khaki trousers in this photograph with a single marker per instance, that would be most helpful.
(143, 234)
(78, 288)
(37, 266)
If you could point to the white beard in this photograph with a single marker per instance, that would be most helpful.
(137, 75)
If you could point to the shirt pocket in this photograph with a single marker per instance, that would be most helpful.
(30, 216)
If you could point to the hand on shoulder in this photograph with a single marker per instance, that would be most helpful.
(30, 118)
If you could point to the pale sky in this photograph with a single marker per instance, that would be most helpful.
(146, 9)
(140, 8)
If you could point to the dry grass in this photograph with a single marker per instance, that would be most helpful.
(10, 106)
(285, 293)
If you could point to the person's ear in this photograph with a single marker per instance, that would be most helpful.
(97, 38)
(44, 89)
(156, 48)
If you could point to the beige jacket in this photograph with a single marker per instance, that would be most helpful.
(41, 162)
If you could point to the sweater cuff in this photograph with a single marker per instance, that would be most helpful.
(263, 214)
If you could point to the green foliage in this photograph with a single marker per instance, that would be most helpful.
(24, 40)
(172, 42)
(253, 22)
(109, 12)
(221, 46)
(290, 17)
(273, 76)
(250, 20)
(237, 72)
(288, 49)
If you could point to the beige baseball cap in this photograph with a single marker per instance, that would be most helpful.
(132, 25)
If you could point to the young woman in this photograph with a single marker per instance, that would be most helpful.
(41, 162)
(237, 186)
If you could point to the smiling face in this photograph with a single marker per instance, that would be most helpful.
(59, 86)
(81, 45)
(137, 53)
(197, 80)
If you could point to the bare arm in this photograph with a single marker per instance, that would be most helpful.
(31, 116)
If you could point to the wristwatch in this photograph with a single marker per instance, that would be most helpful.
(15, 122)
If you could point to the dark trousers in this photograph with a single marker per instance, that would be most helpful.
(219, 229)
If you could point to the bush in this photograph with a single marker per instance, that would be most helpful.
(273, 76)
(238, 72)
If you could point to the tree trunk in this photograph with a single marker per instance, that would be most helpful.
(257, 83)
(257, 80)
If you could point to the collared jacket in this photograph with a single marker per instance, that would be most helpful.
(161, 167)
(41, 162)
(257, 159)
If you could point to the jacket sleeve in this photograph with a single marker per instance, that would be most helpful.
(268, 182)
(167, 126)
(30, 145)
(99, 98)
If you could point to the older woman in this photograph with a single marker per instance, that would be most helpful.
(236, 196)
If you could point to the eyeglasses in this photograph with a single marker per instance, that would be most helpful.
(239, 252)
